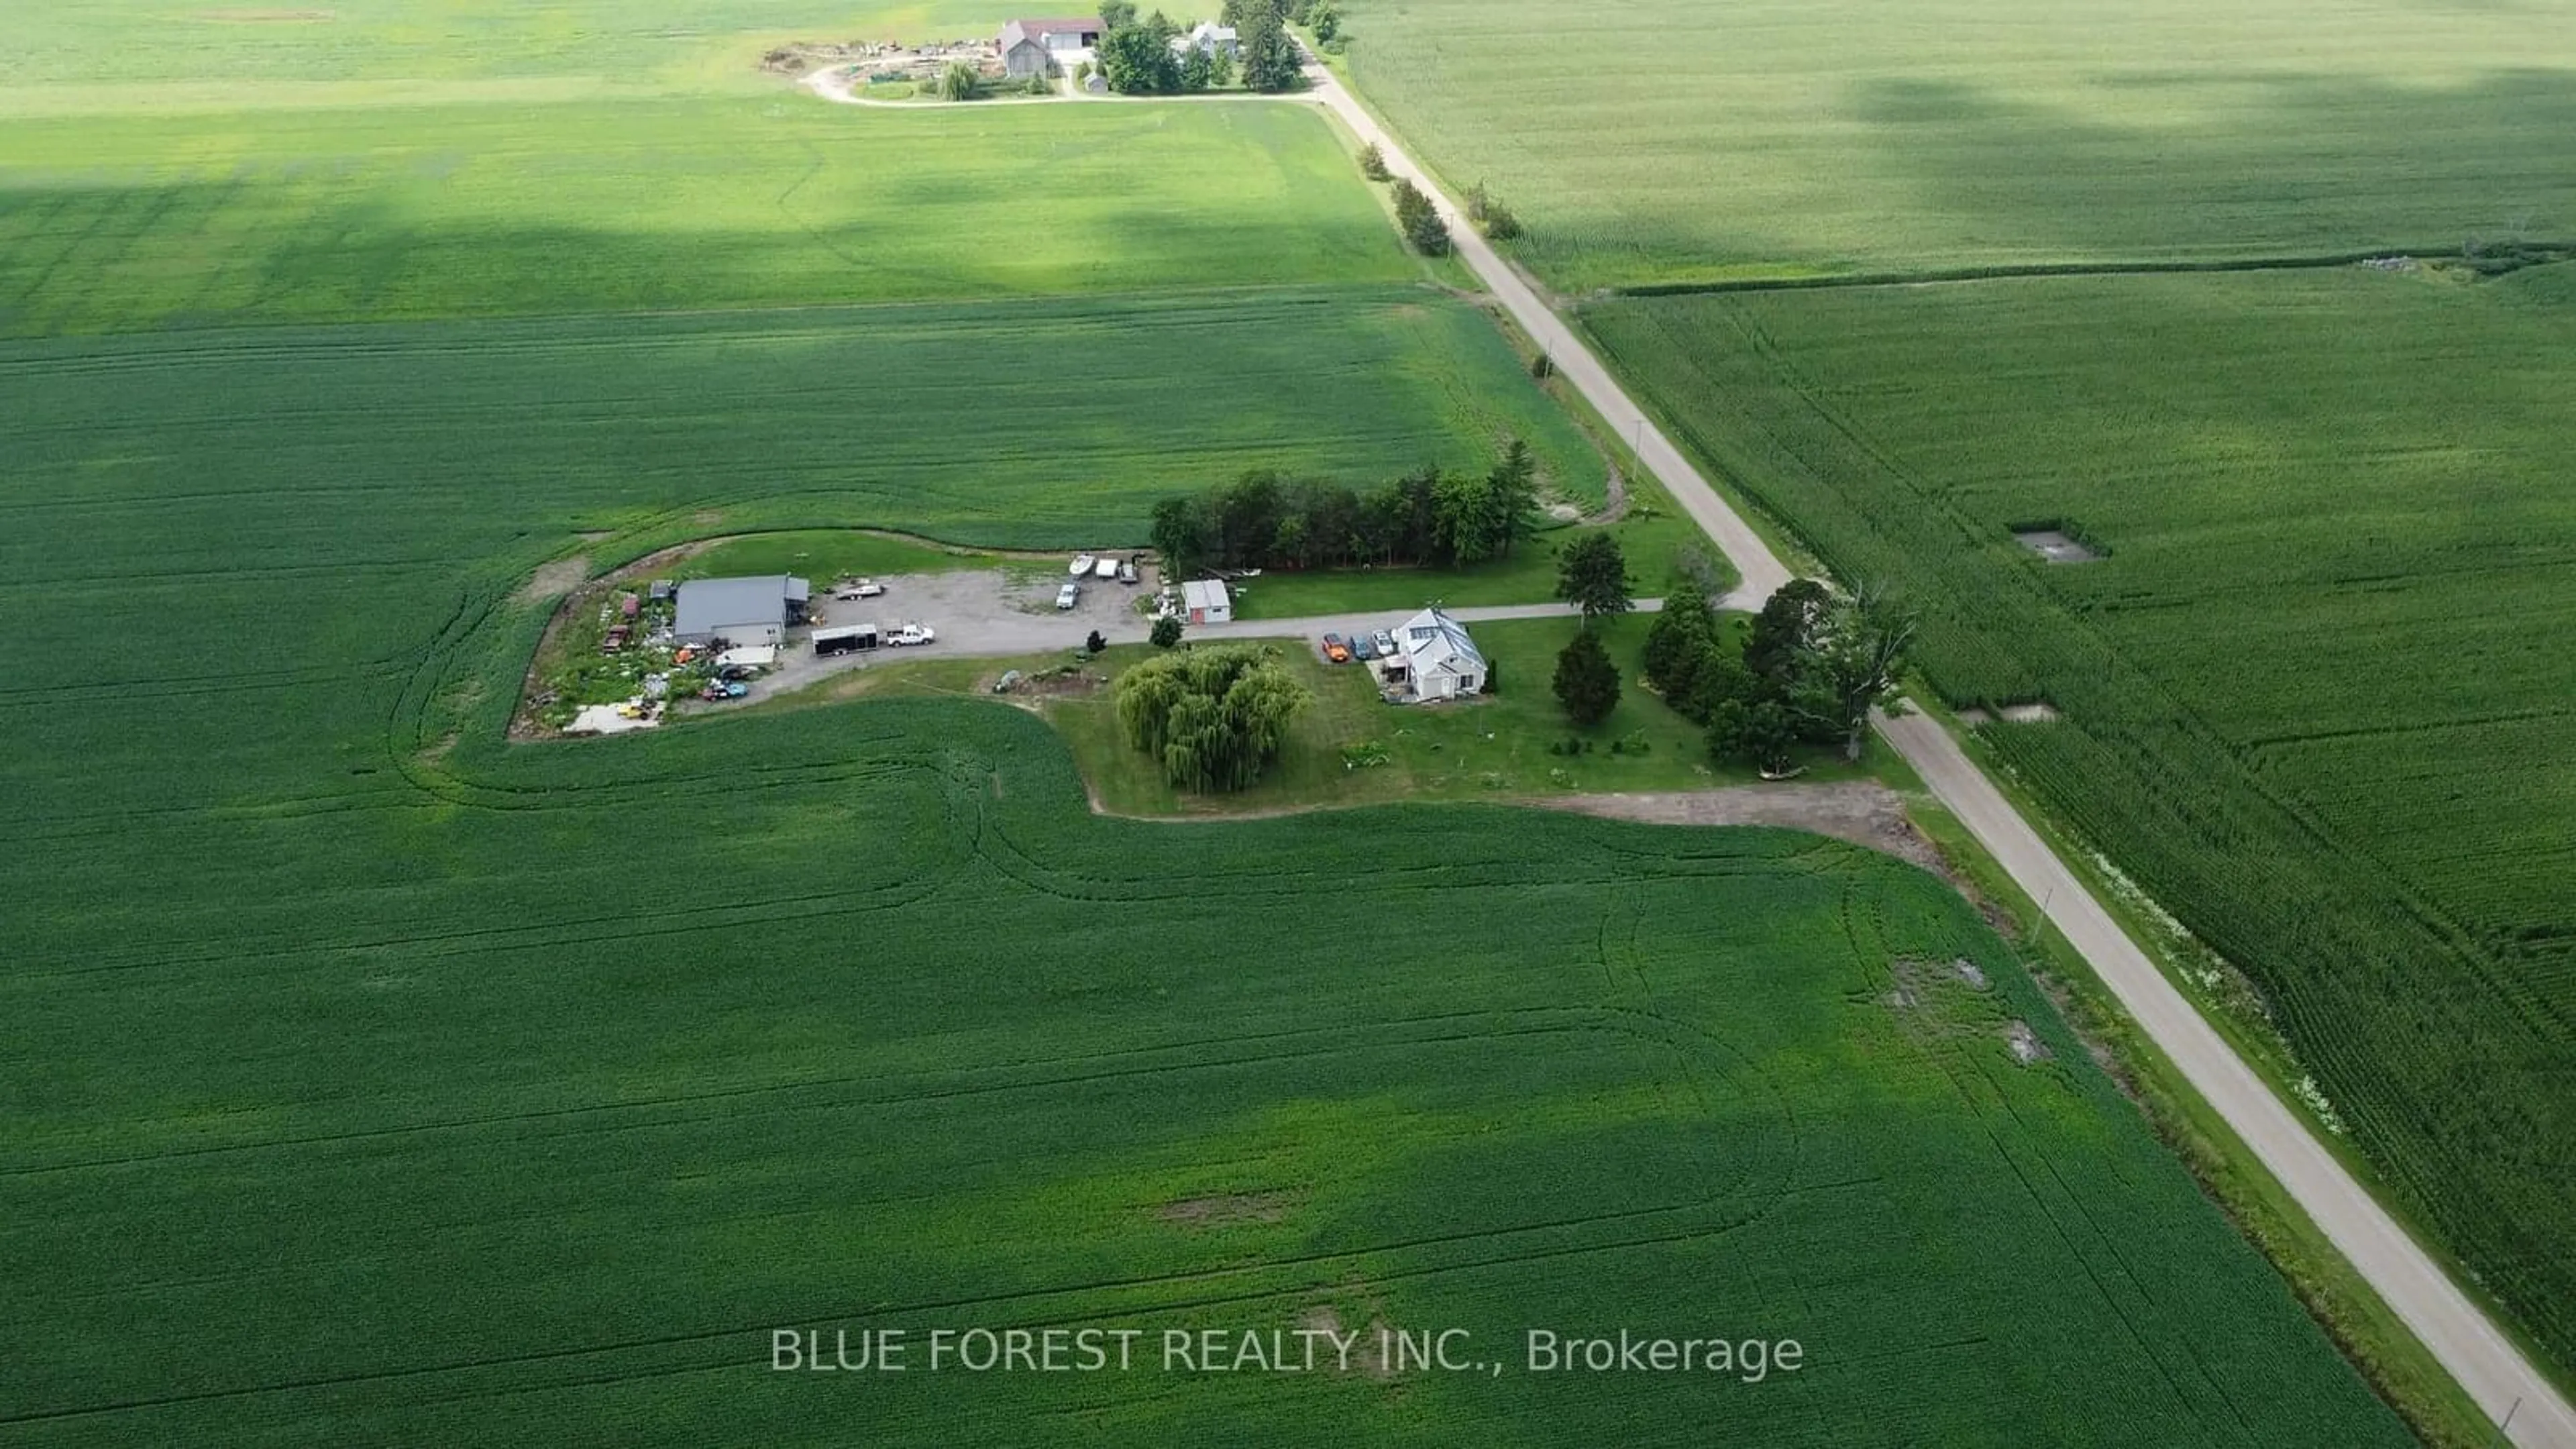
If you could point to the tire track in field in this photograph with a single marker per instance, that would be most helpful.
(1489, 1027)
(874, 1311)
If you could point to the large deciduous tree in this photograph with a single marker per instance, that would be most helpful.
(1139, 62)
(1212, 718)
(1759, 731)
(1181, 535)
(1785, 630)
(1592, 575)
(1852, 661)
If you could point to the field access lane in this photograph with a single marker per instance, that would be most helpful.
(2454, 1328)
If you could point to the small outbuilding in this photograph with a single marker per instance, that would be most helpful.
(1440, 661)
(751, 611)
(1205, 601)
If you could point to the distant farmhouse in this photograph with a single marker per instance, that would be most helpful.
(740, 611)
(1030, 47)
(1210, 37)
(1440, 661)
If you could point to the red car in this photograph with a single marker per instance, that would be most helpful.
(1335, 650)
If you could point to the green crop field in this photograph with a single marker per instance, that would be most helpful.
(443, 209)
(519, 1094)
(2317, 696)
(2314, 700)
(283, 50)
(1666, 141)
(373, 1079)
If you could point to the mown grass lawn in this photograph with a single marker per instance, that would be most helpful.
(1513, 743)
(1651, 536)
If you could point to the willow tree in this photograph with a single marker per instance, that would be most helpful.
(1214, 719)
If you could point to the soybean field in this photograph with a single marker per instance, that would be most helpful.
(428, 209)
(2315, 694)
(521, 1094)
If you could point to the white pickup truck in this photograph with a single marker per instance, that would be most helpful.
(912, 634)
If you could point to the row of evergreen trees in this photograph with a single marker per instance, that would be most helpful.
(1265, 520)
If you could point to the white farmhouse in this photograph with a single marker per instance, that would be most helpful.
(1440, 661)
(1211, 38)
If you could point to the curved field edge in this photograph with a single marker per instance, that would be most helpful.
(2269, 780)
(1731, 1078)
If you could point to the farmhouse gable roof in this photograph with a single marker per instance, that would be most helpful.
(1431, 640)
(1014, 31)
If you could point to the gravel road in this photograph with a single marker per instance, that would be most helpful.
(2458, 1332)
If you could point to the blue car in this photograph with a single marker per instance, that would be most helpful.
(1363, 647)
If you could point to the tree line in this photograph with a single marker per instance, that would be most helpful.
(1265, 520)
(1136, 56)
(1807, 671)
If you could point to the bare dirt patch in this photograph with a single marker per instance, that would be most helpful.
(560, 577)
(2029, 712)
(1863, 812)
(2056, 546)
(1226, 1209)
(2027, 1048)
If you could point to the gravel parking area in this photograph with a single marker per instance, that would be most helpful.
(976, 612)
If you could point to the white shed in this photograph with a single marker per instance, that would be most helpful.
(1205, 601)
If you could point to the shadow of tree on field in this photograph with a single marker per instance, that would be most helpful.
(2253, 163)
